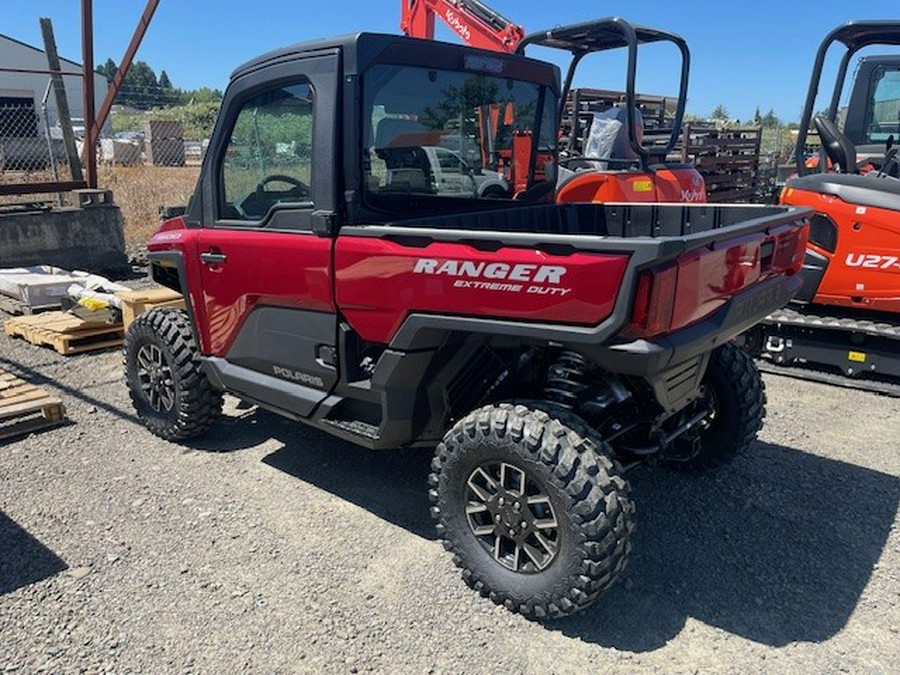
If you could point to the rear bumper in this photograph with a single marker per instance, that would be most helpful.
(646, 358)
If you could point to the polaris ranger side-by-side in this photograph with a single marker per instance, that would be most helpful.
(542, 348)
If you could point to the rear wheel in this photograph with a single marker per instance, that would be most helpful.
(535, 512)
(735, 391)
(170, 392)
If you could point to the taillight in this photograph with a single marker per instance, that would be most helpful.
(654, 302)
(681, 292)
(790, 249)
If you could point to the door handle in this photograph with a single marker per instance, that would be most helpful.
(213, 257)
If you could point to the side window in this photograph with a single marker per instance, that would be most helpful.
(885, 103)
(268, 158)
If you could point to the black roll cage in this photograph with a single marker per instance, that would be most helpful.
(599, 35)
(854, 36)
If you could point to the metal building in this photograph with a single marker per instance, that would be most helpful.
(26, 107)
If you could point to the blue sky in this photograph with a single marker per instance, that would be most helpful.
(743, 55)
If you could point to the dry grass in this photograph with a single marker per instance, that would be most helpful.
(140, 191)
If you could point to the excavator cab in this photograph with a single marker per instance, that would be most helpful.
(614, 163)
(853, 258)
(846, 317)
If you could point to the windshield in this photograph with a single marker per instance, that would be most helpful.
(436, 135)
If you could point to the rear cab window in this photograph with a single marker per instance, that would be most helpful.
(434, 135)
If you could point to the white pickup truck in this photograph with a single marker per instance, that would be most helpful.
(442, 170)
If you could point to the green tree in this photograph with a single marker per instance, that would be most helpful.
(720, 113)
(461, 103)
(169, 96)
(201, 95)
(770, 120)
(108, 69)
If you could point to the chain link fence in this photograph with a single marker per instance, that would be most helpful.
(32, 147)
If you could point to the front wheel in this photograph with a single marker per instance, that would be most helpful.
(536, 513)
(735, 392)
(170, 392)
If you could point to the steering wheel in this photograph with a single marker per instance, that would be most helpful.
(298, 189)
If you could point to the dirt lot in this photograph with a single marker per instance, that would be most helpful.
(274, 548)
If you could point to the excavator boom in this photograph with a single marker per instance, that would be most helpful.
(477, 24)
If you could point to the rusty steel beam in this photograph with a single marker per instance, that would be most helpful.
(87, 50)
(122, 70)
(37, 71)
(39, 188)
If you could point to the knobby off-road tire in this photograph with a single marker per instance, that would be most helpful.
(169, 390)
(736, 389)
(568, 478)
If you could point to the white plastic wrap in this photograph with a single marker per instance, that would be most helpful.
(601, 137)
(77, 292)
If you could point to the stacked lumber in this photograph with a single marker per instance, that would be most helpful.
(64, 332)
(25, 408)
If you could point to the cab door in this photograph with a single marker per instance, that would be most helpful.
(264, 249)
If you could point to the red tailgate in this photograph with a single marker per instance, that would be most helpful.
(380, 282)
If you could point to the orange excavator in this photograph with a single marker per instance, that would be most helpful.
(844, 326)
(616, 166)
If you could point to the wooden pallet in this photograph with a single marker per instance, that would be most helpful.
(65, 333)
(25, 408)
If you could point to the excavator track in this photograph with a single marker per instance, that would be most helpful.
(859, 353)
(793, 317)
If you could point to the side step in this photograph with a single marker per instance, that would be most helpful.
(355, 427)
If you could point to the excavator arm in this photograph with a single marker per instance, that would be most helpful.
(476, 23)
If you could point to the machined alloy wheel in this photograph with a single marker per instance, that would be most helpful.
(512, 516)
(533, 507)
(155, 378)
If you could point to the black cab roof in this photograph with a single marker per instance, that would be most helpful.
(361, 48)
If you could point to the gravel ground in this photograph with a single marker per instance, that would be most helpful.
(271, 547)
